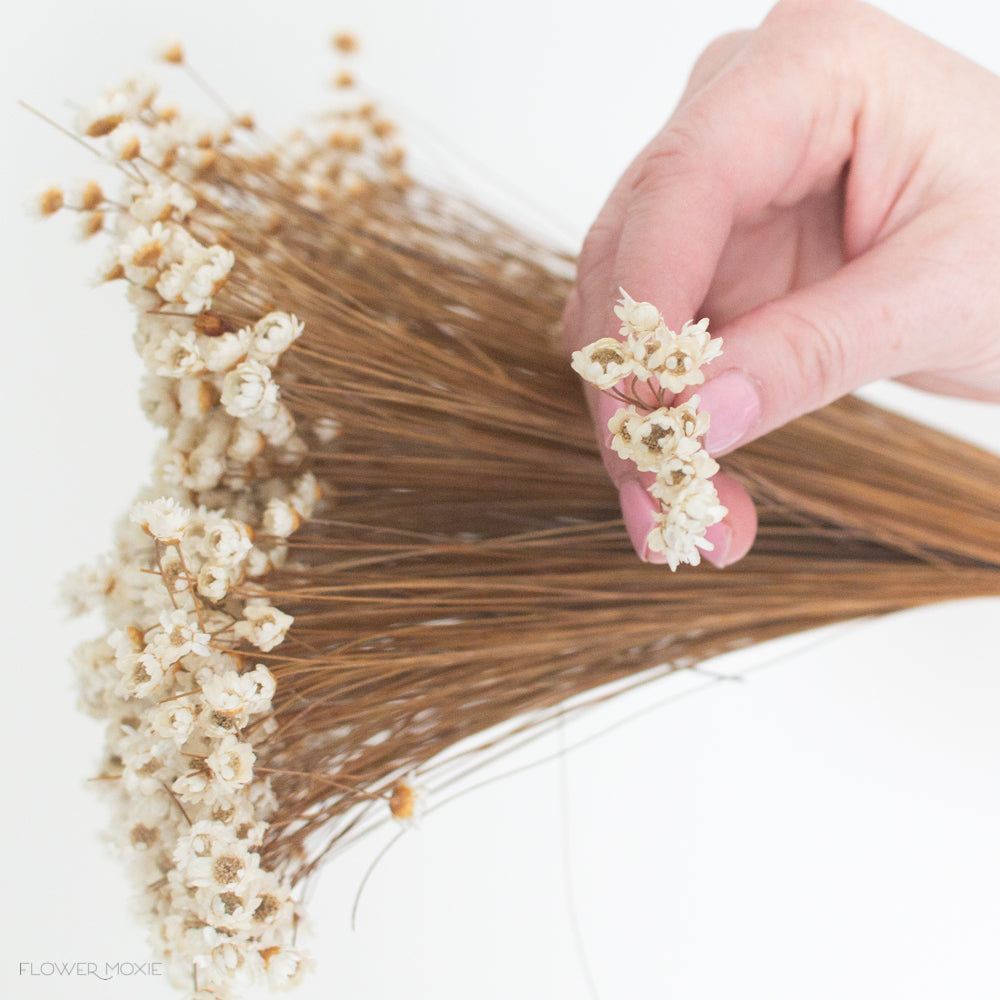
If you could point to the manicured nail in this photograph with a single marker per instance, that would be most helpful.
(637, 510)
(721, 537)
(732, 401)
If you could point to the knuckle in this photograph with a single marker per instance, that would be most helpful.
(674, 154)
(716, 55)
(818, 357)
(598, 247)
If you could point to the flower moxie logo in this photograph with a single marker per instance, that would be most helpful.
(98, 970)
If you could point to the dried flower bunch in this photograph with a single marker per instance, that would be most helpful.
(378, 524)
(660, 439)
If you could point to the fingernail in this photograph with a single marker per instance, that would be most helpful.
(732, 401)
(637, 510)
(721, 537)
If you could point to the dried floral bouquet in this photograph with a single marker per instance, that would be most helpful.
(378, 525)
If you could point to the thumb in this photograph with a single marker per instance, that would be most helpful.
(889, 312)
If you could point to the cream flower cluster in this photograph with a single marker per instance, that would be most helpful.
(662, 440)
(186, 706)
(176, 676)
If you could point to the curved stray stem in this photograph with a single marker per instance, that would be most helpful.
(567, 865)
(368, 874)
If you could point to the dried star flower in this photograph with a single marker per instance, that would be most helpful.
(248, 390)
(638, 318)
(662, 440)
(232, 762)
(165, 519)
(604, 363)
(273, 335)
(407, 801)
(48, 201)
(263, 626)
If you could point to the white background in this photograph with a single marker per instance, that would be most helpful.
(825, 829)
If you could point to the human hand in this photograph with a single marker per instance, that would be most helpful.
(828, 193)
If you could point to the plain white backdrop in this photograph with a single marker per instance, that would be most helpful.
(826, 828)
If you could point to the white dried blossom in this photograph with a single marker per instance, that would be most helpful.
(174, 354)
(141, 252)
(691, 422)
(226, 541)
(226, 350)
(231, 695)
(232, 762)
(258, 563)
(180, 634)
(679, 530)
(277, 555)
(700, 503)
(193, 786)
(408, 800)
(169, 465)
(265, 802)
(325, 429)
(280, 518)
(228, 908)
(263, 626)
(664, 441)
(165, 519)
(97, 676)
(85, 195)
(158, 402)
(214, 725)
(676, 474)
(148, 764)
(151, 324)
(228, 960)
(272, 903)
(278, 427)
(683, 359)
(292, 452)
(604, 363)
(174, 720)
(86, 587)
(638, 318)
(160, 202)
(274, 334)
(210, 856)
(139, 93)
(124, 142)
(147, 678)
(45, 200)
(248, 390)
(286, 969)
(245, 444)
(196, 277)
(145, 300)
(306, 493)
(195, 396)
(214, 581)
(205, 468)
(656, 437)
(623, 426)
(104, 115)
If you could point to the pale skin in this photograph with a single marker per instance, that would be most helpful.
(827, 192)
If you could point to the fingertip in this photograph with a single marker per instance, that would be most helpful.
(734, 535)
(638, 510)
(732, 401)
(721, 538)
